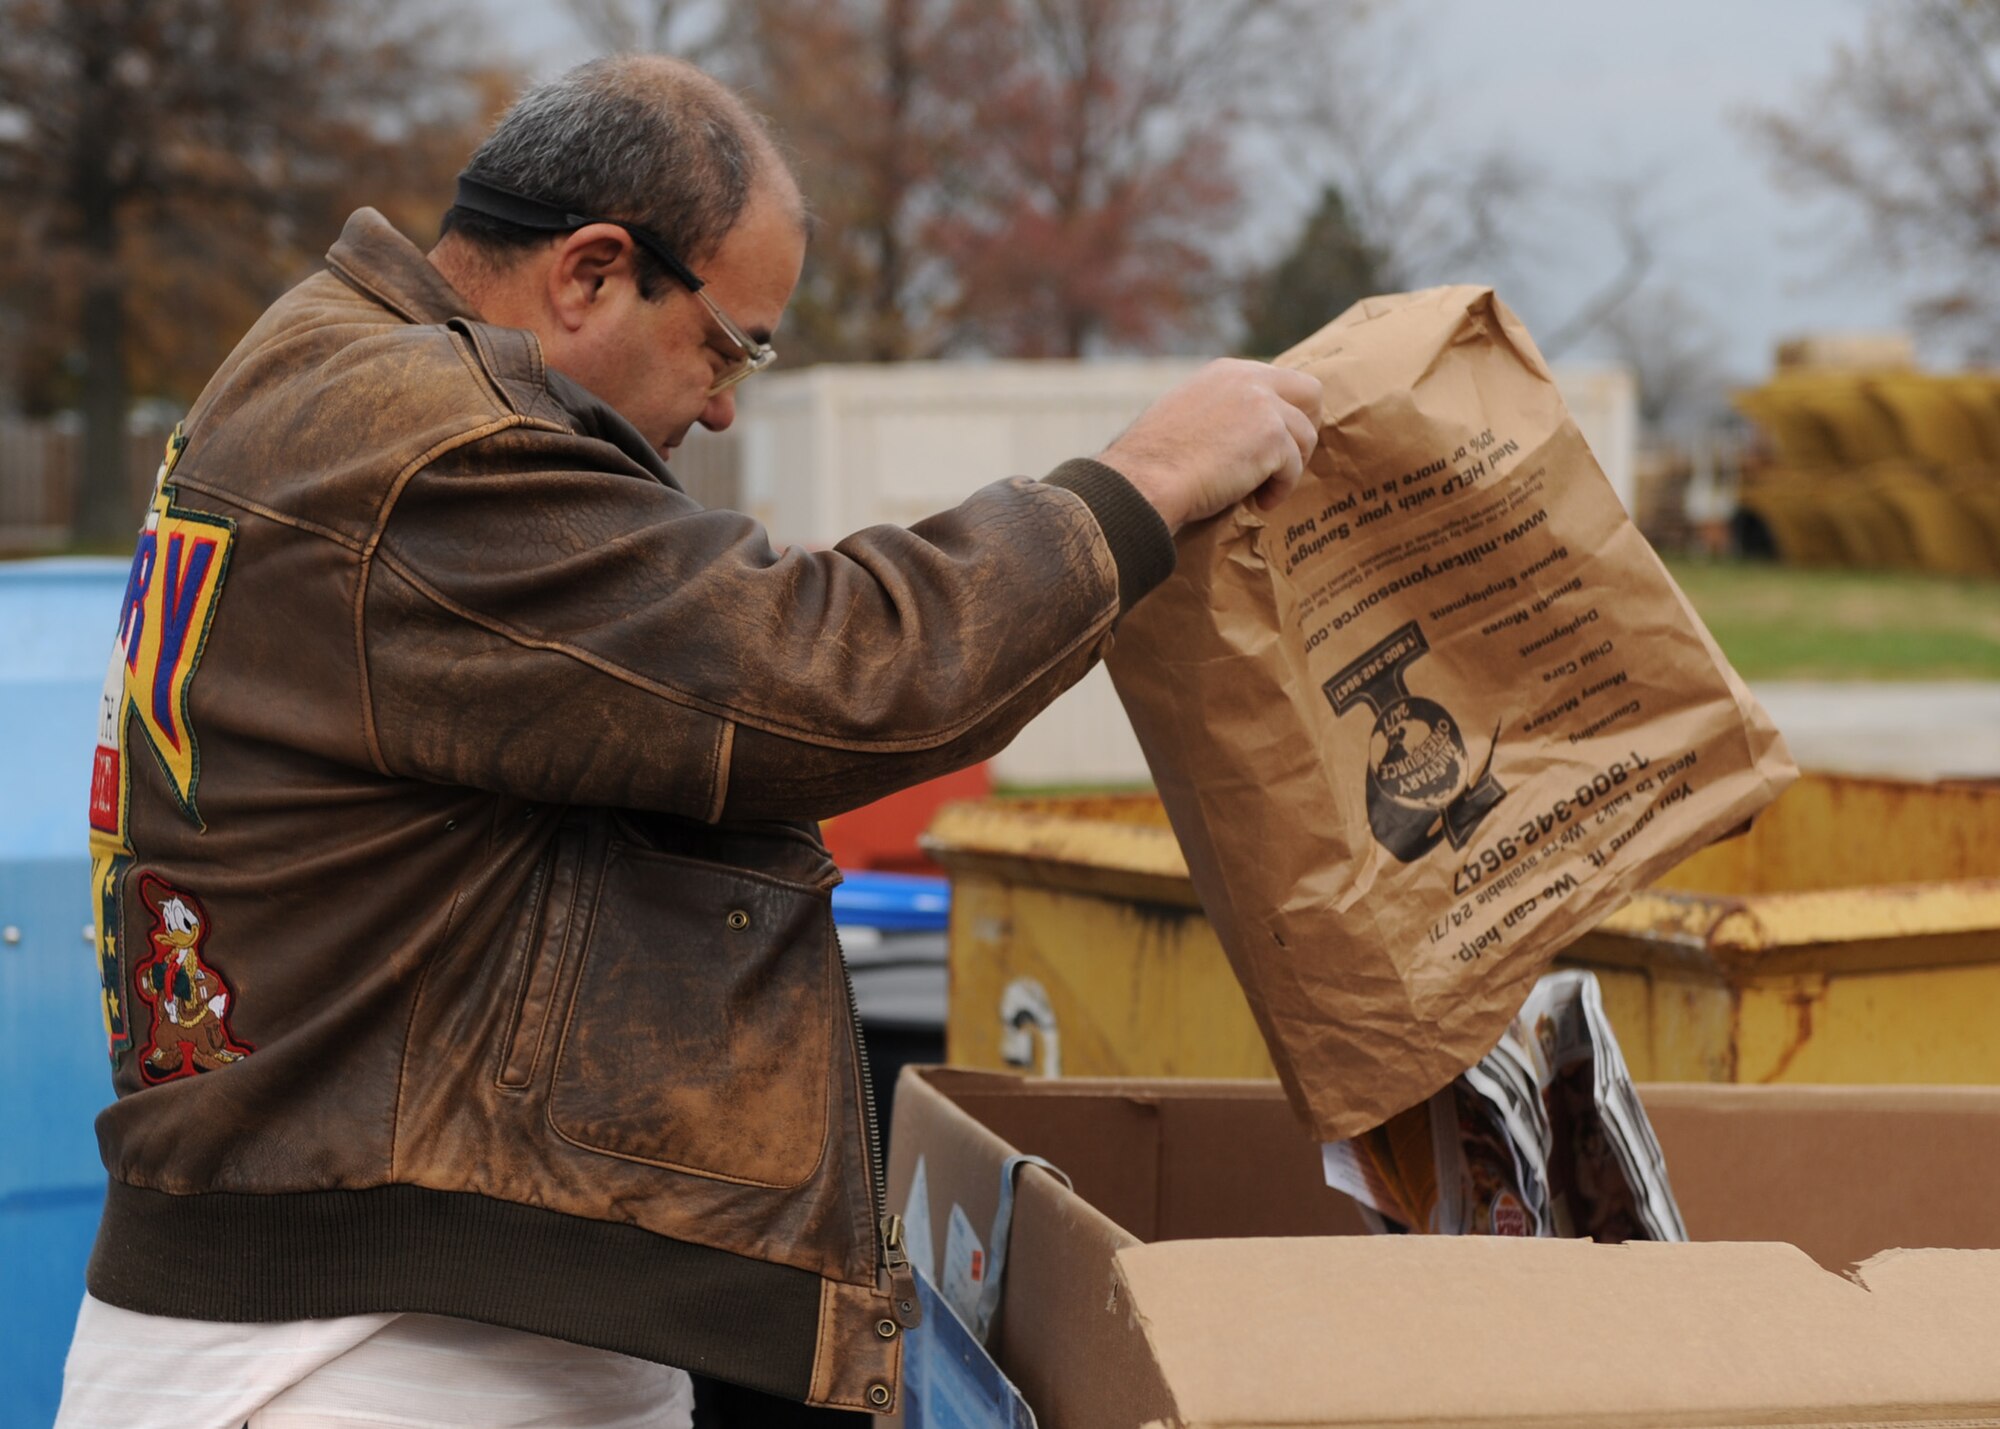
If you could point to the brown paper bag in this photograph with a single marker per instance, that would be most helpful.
(1433, 717)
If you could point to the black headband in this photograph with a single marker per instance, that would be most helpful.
(478, 196)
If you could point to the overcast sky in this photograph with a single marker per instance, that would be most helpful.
(1596, 92)
(1655, 89)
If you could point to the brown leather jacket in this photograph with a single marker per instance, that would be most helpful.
(466, 933)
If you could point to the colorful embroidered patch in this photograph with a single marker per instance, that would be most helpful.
(107, 877)
(170, 598)
(190, 1001)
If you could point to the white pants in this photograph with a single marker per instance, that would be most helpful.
(359, 1372)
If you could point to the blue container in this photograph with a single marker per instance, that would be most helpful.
(56, 628)
(893, 902)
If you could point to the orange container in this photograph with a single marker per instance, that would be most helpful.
(883, 835)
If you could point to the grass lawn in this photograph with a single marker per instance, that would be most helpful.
(1777, 623)
(1781, 623)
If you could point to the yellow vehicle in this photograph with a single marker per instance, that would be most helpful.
(1876, 470)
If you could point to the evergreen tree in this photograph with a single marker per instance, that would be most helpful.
(1330, 268)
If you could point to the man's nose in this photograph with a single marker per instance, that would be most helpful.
(720, 411)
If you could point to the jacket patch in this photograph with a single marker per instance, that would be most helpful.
(190, 1001)
(170, 597)
(107, 878)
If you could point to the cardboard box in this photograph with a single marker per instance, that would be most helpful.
(1200, 1274)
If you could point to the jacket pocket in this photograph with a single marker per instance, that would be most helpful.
(698, 1036)
(540, 940)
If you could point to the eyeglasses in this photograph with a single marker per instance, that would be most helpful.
(480, 197)
(754, 356)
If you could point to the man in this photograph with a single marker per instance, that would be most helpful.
(492, 762)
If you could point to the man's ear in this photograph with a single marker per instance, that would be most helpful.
(586, 265)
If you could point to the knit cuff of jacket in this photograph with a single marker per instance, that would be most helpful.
(1139, 540)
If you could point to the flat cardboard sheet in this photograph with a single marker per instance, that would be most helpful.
(1232, 1288)
(1499, 1329)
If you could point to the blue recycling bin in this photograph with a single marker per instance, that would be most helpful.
(56, 627)
(892, 902)
(892, 929)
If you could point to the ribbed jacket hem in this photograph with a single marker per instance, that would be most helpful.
(316, 1255)
(1140, 542)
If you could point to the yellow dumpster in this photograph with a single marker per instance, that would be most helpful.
(1852, 936)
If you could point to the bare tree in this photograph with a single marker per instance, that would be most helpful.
(1678, 358)
(870, 95)
(1905, 128)
(1426, 212)
(1388, 203)
(1432, 213)
(1042, 177)
(703, 31)
(1104, 170)
(1621, 206)
(1010, 176)
(168, 164)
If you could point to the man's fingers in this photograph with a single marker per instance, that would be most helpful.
(1300, 390)
(1272, 493)
(1304, 430)
(1211, 441)
(1280, 485)
(1302, 426)
(1290, 466)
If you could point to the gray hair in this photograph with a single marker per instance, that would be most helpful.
(645, 139)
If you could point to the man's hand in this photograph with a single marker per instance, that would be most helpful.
(1233, 428)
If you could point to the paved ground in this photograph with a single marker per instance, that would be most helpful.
(1918, 731)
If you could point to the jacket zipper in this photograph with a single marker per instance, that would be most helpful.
(892, 1262)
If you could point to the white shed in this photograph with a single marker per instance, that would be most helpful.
(832, 449)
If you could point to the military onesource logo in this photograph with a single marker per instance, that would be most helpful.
(170, 598)
(1420, 787)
